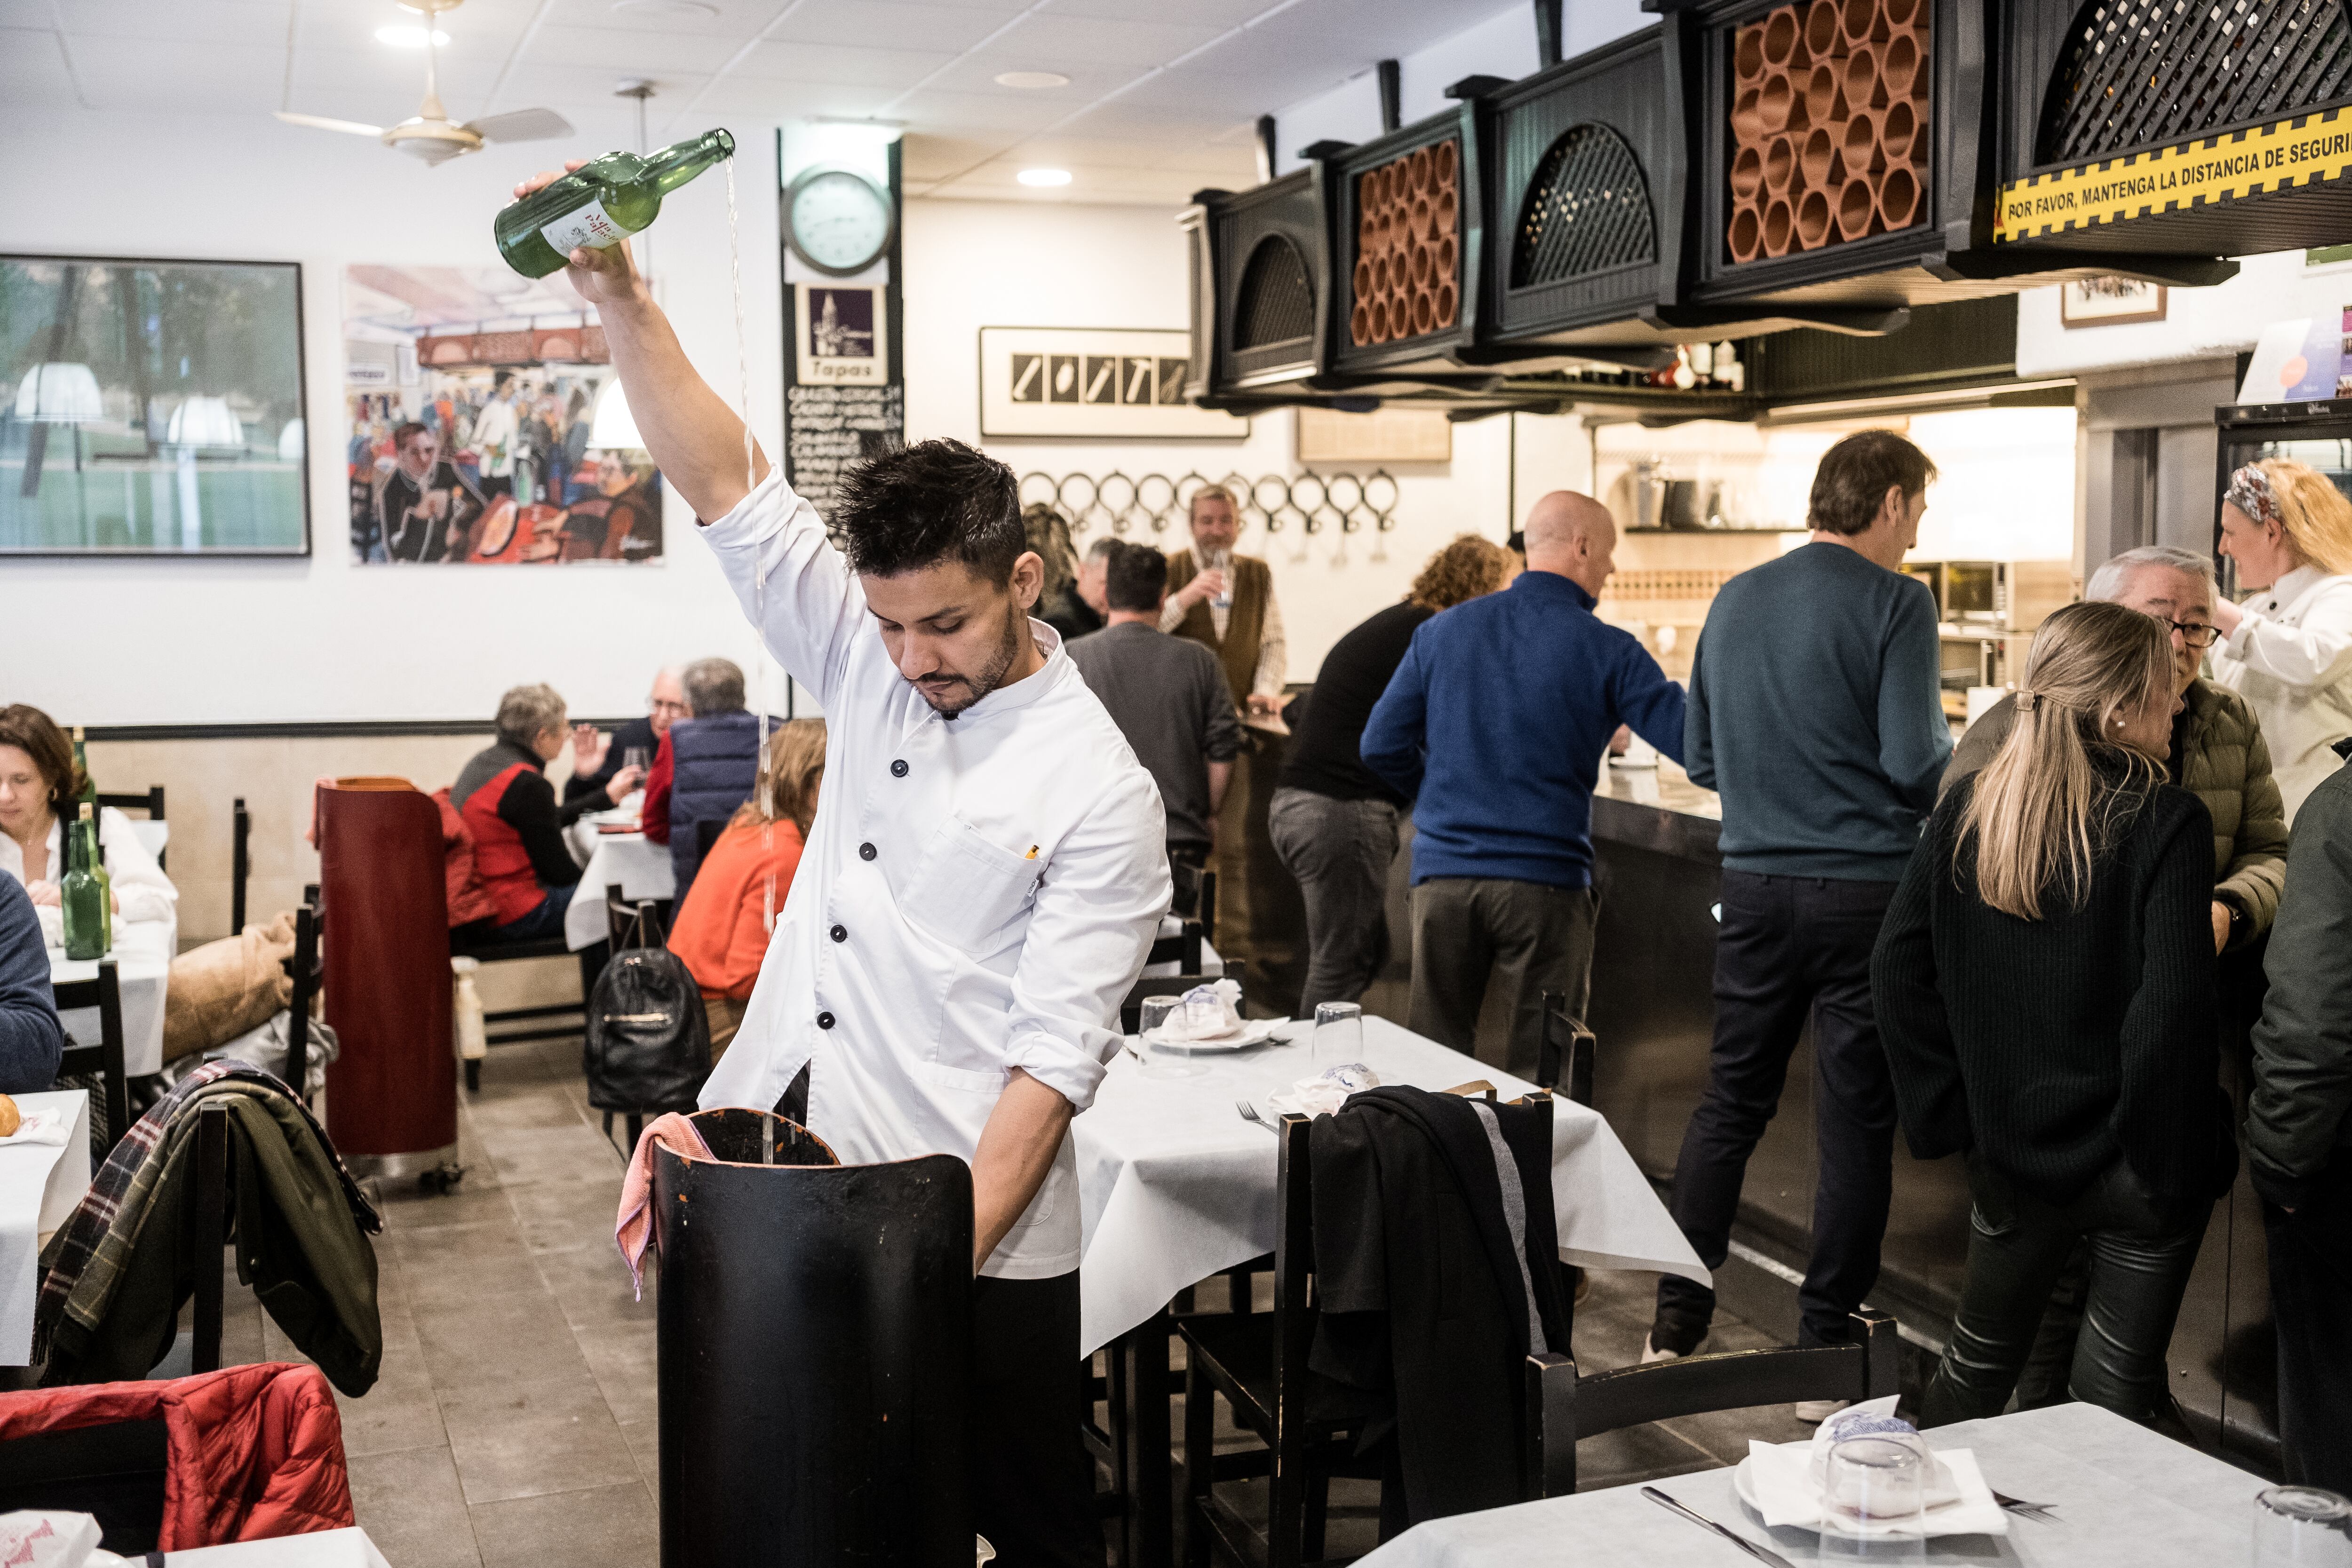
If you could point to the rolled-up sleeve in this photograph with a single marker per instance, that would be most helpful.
(795, 586)
(1099, 906)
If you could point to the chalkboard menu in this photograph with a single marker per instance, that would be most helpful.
(830, 428)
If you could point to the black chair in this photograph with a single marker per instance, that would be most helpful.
(150, 802)
(104, 1060)
(575, 1014)
(621, 915)
(705, 834)
(1565, 1052)
(240, 863)
(308, 969)
(1130, 1011)
(1563, 1407)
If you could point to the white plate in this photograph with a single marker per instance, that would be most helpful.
(1254, 1032)
(1745, 1487)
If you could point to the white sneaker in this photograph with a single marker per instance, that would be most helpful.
(1814, 1412)
(1651, 1352)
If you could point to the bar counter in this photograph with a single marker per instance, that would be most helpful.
(1659, 873)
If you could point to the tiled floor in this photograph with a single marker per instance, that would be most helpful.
(513, 1424)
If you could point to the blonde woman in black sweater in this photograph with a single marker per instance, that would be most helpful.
(2044, 986)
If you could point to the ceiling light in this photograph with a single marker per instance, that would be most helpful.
(1044, 176)
(1032, 80)
(410, 38)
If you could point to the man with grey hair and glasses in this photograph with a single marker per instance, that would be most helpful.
(597, 758)
(2218, 753)
(708, 766)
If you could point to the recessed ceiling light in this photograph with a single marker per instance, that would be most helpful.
(665, 8)
(401, 37)
(1032, 80)
(1044, 176)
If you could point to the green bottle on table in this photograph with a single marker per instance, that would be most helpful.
(81, 894)
(602, 203)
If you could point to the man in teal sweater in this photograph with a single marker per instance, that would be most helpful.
(1815, 712)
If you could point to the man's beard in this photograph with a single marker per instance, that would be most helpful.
(952, 695)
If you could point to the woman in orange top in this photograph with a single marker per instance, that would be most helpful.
(722, 934)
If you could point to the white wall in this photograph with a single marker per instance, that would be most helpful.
(2198, 322)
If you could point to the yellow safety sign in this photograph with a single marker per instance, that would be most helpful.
(2297, 152)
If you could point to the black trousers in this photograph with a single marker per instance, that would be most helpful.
(2142, 1250)
(1790, 947)
(2311, 1305)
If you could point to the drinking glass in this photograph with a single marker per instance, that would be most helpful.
(1223, 561)
(636, 757)
(2302, 1527)
(1339, 1035)
(1874, 1482)
(1161, 1057)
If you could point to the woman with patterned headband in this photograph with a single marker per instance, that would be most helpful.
(2287, 650)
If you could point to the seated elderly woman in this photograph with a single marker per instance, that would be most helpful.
(38, 783)
(508, 806)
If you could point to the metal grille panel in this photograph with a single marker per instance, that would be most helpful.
(1275, 303)
(1587, 210)
(2140, 73)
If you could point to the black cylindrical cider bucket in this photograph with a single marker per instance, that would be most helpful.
(814, 1332)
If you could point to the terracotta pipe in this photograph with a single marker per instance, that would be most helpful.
(1824, 26)
(1417, 270)
(1784, 40)
(1424, 311)
(1448, 258)
(1815, 222)
(1863, 22)
(1363, 278)
(1418, 226)
(1825, 92)
(1783, 104)
(1421, 163)
(1905, 14)
(1376, 319)
(1445, 160)
(1863, 151)
(1446, 212)
(1864, 86)
(1448, 299)
(1902, 66)
(1899, 197)
(1780, 168)
(1746, 177)
(1857, 209)
(1747, 235)
(1748, 116)
(1748, 53)
(1780, 227)
(1360, 324)
(1819, 161)
(1898, 134)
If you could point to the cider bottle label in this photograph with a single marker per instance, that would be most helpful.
(590, 227)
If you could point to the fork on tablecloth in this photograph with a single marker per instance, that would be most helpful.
(1250, 1113)
(2034, 1511)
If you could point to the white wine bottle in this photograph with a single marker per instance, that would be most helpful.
(602, 203)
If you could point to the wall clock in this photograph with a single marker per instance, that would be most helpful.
(837, 220)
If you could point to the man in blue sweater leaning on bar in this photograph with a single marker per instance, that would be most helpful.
(1497, 722)
(1815, 712)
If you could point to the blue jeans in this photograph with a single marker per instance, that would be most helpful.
(542, 922)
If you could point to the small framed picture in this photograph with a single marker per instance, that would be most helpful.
(1109, 382)
(2109, 302)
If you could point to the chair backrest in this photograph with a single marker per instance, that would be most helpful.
(707, 830)
(1195, 898)
(1565, 1052)
(155, 833)
(1563, 1407)
(104, 1060)
(621, 915)
(240, 863)
(307, 972)
(1293, 1271)
(1130, 1011)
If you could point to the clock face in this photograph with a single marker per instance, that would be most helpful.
(839, 220)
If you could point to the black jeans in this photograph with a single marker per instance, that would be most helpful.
(2142, 1250)
(1791, 946)
(2311, 1303)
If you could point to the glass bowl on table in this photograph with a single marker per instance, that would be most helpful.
(2302, 1527)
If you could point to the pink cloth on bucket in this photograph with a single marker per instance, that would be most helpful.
(634, 1230)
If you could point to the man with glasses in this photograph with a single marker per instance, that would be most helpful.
(2218, 753)
(597, 757)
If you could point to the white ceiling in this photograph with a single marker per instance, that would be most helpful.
(1161, 97)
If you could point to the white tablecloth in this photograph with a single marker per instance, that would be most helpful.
(2125, 1497)
(1175, 1185)
(143, 956)
(323, 1549)
(40, 1186)
(630, 861)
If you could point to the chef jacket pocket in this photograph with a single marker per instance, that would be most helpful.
(968, 889)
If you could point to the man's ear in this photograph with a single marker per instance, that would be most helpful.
(1028, 579)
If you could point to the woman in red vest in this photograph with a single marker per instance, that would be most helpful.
(510, 810)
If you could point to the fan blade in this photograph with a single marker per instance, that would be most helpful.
(521, 125)
(321, 123)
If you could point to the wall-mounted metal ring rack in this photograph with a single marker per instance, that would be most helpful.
(1154, 503)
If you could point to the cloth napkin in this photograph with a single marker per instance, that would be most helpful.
(39, 1127)
(1786, 1494)
(634, 1230)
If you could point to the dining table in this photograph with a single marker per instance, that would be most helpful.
(2117, 1496)
(142, 954)
(319, 1548)
(612, 852)
(1175, 1185)
(41, 1184)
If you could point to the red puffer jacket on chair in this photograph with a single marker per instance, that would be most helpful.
(253, 1451)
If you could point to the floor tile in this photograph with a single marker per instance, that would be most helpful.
(644, 1438)
(524, 1439)
(621, 1355)
(501, 1344)
(410, 1505)
(609, 1527)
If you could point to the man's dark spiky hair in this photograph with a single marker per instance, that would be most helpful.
(935, 500)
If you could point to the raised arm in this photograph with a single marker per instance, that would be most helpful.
(693, 437)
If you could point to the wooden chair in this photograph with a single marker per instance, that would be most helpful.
(1563, 1407)
(308, 972)
(240, 863)
(621, 915)
(104, 1060)
(152, 830)
(1130, 1011)
(1566, 1051)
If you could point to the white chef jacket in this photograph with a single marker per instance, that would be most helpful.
(977, 894)
(142, 890)
(2290, 660)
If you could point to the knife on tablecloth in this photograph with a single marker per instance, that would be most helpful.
(1761, 1553)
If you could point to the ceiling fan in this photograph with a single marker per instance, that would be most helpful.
(430, 134)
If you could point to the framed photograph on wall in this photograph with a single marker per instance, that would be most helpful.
(152, 408)
(841, 334)
(1093, 383)
(2109, 302)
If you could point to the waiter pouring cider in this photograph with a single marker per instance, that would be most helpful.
(981, 887)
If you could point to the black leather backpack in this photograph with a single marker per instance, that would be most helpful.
(648, 1046)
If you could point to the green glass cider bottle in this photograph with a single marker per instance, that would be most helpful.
(82, 896)
(601, 203)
